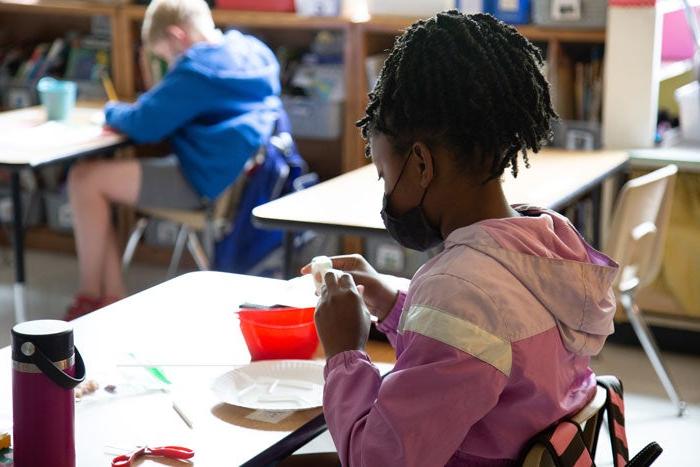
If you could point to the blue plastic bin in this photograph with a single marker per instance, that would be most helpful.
(512, 11)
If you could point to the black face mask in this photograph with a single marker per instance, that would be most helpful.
(411, 229)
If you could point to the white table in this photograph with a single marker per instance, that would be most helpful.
(686, 156)
(350, 203)
(28, 141)
(186, 321)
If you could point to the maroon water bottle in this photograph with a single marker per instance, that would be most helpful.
(46, 367)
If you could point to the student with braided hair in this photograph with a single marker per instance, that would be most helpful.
(494, 335)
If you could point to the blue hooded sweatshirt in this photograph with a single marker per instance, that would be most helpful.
(217, 106)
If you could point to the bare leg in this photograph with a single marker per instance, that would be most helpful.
(112, 280)
(93, 187)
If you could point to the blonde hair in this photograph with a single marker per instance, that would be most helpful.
(160, 14)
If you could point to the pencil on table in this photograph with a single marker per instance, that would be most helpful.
(109, 87)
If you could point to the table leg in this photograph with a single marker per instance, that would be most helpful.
(288, 263)
(606, 207)
(596, 198)
(18, 246)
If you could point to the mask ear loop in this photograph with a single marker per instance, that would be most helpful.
(405, 163)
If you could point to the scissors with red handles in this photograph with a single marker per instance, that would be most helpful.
(170, 452)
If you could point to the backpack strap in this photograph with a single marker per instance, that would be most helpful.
(615, 408)
(646, 456)
(564, 442)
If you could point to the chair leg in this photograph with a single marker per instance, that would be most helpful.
(209, 238)
(641, 329)
(132, 243)
(180, 241)
(197, 252)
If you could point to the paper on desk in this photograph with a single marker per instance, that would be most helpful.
(48, 135)
(297, 292)
(269, 416)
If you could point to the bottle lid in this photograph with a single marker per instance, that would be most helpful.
(53, 337)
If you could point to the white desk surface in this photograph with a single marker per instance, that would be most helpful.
(188, 320)
(27, 139)
(353, 200)
(686, 156)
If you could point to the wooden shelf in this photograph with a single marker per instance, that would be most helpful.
(260, 19)
(43, 238)
(62, 7)
(394, 24)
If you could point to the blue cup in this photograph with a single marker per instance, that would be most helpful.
(57, 96)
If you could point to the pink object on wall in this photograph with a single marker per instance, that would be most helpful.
(677, 41)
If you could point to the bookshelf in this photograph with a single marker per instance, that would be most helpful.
(363, 37)
(377, 34)
(63, 7)
(394, 24)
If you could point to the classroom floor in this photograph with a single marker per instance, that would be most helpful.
(650, 416)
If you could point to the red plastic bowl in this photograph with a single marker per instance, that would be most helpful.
(279, 333)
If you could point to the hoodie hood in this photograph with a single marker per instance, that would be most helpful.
(550, 258)
(240, 63)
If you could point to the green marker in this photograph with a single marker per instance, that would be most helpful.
(155, 371)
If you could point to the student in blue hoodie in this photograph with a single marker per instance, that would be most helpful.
(216, 106)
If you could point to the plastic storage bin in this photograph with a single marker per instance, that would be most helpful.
(688, 98)
(577, 135)
(314, 118)
(59, 214)
(32, 208)
(592, 14)
(469, 7)
(512, 11)
(318, 7)
(17, 96)
(256, 5)
(409, 7)
(391, 258)
(161, 232)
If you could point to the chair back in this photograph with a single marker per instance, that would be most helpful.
(639, 225)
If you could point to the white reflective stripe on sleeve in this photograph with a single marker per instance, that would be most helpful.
(458, 333)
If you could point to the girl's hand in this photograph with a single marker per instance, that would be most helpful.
(378, 294)
(342, 320)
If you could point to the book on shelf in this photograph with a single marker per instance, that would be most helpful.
(578, 89)
(373, 67)
(89, 57)
(11, 62)
(51, 60)
(25, 71)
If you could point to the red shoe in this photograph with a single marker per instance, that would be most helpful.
(81, 306)
(106, 301)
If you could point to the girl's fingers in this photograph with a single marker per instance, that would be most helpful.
(346, 280)
(330, 280)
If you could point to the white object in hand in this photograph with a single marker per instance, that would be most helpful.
(320, 265)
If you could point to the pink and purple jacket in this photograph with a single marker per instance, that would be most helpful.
(493, 341)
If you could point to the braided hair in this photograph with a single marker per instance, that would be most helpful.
(468, 82)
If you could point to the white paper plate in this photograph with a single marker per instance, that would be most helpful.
(273, 385)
